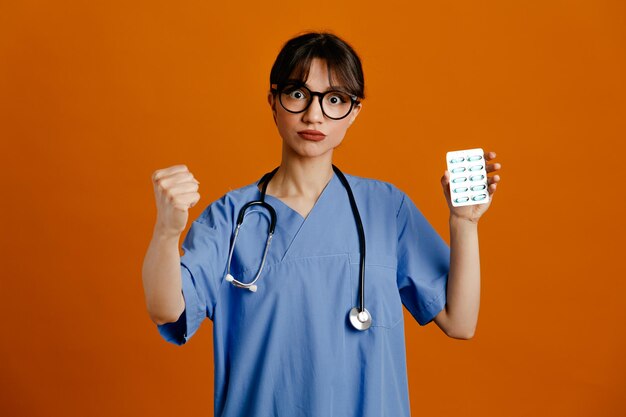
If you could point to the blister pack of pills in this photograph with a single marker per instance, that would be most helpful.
(468, 177)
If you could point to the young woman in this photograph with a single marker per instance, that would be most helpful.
(309, 322)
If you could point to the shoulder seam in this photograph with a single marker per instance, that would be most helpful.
(401, 204)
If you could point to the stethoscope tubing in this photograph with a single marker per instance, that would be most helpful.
(361, 232)
(242, 213)
(360, 318)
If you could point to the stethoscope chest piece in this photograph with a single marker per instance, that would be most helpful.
(360, 320)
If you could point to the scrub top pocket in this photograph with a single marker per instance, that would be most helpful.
(382, 298)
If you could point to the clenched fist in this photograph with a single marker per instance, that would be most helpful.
(175, 191)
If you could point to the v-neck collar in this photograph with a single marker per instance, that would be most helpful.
(290, 223)
(295, 212)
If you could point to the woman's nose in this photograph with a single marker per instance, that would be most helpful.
(314, 112)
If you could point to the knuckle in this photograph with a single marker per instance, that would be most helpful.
(161, 187)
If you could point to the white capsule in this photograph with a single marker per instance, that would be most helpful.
(474, 158)
(460, 179)
(457, 160)
(479, 197)
(476, 177)
(476, 168)
(479, 187)
(461, 199)
(457, 170)
(460, 190)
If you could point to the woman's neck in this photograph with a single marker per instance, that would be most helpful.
(301, 177)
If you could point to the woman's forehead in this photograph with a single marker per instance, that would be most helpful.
(317, 72)
(314, 87)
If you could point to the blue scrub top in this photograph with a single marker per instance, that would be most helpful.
(289, 349)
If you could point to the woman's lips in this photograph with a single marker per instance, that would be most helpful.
(312, 135)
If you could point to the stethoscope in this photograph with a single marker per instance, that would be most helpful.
(360, 318)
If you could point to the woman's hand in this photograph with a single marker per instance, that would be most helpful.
(175, 191)
(473, 212)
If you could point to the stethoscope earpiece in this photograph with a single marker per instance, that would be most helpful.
(239, 284)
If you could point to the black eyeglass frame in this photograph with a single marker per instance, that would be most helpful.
(353, 99)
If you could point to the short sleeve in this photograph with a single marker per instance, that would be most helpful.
(202, 266)
(423, 263)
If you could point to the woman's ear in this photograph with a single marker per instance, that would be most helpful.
(272, 102)
(355, 112)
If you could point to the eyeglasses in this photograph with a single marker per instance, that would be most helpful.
(296, 98)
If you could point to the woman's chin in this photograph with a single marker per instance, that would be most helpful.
(307, 152)
(312, 149)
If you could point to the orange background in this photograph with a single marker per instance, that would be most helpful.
(95, 96)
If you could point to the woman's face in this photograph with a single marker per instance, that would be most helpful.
(289, 124)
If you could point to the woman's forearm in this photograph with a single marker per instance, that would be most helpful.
(459, 317)
(162, 278)
(463, 292)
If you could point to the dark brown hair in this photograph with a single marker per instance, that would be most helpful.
(343, 63)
